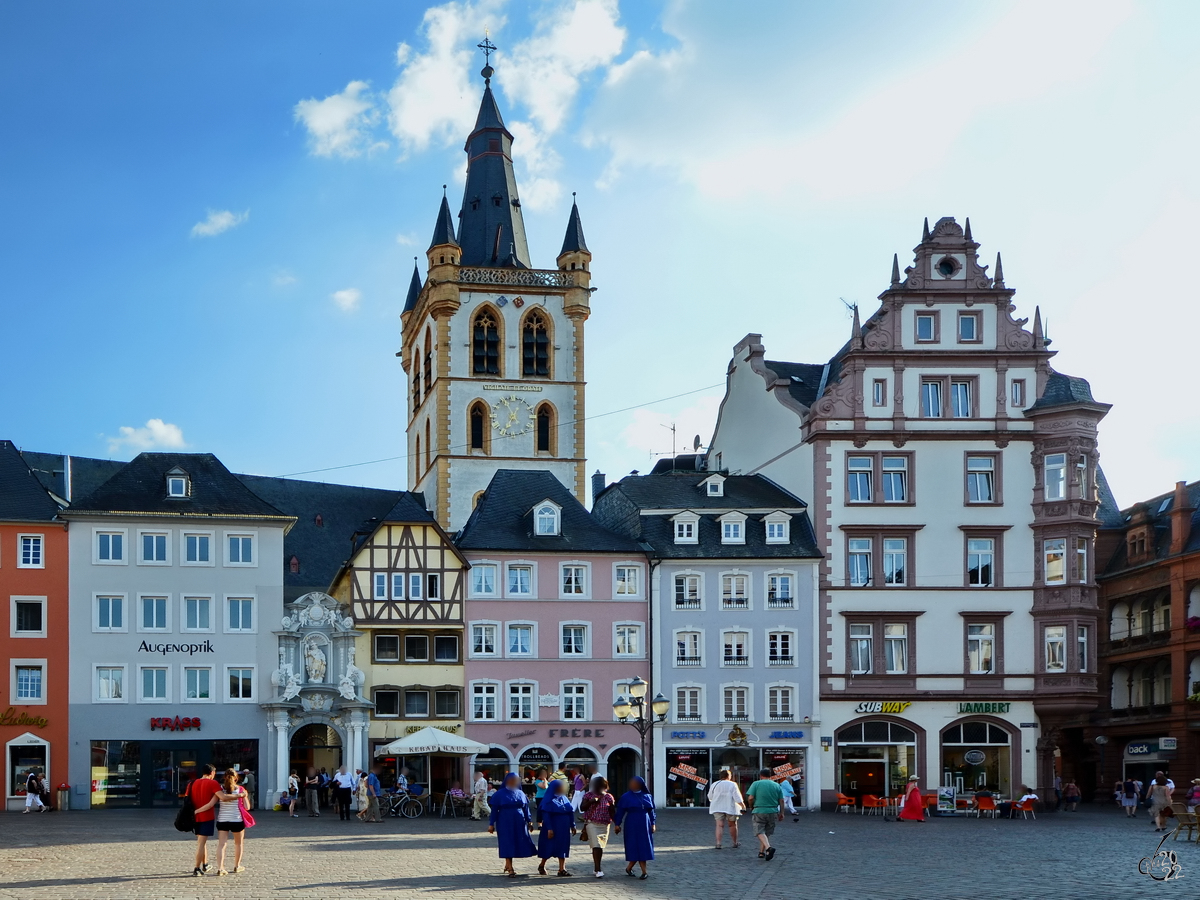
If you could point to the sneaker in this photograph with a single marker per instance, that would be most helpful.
(770, 854)
(221, 872)
(197, 872)
(204, 867)
(238, 869)
(599, 874)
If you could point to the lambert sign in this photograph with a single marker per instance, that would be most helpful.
(977, 708)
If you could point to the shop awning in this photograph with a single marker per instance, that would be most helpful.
(432, 740)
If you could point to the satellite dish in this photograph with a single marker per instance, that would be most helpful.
(696, 443)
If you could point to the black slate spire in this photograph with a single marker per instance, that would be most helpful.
(443, 231)
(573, 240)
(491, 230)
(414, 286)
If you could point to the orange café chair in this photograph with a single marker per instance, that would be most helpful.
(1025, 809)
(985, 805)
(844, 803)
(872, 803)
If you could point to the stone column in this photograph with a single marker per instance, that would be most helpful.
(282, 749)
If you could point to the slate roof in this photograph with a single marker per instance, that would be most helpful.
(1063, 390)
(573, 240)
(623, 503)
(347, 513)
(804, 379)
(684, 490)
(87, 473)
(414, 290)
(1108, 513)
(23, 498)
(443, 229)
(140, 488)
(1157, 512)
(503, 519)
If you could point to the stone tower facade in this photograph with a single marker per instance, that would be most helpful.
(493, 348)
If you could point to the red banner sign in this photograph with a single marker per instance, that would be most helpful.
(166, 723)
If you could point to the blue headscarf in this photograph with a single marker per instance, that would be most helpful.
(556, 798)
(506, 796)
(639, 799)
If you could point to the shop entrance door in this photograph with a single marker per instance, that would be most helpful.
(172, 771)
(861, 777)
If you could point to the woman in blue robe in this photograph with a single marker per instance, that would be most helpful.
(558, 824)
(510, 822)
(634, 816)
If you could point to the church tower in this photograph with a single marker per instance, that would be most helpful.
(493, 347)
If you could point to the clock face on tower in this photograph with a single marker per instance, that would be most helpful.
(511, 416)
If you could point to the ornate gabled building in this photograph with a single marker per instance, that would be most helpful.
(404, 587)
(955, 485)
(493, 347)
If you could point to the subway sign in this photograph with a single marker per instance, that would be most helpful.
(883, 706)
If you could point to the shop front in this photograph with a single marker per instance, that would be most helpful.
(596, 747)
(965, 745)
(1144, 757)
(436, 773)
(157, 773)
(690, 765)
(22, 753)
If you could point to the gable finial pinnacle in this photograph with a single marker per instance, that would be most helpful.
(925, 230)
(967, 230)
(488, 49)
(998, 278)
(895, 268)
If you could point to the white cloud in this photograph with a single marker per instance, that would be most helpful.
(219, 220)
(347, 300)
(650, 430)
(340, 125)
(407, 240)
(154, 435)
(283, 278)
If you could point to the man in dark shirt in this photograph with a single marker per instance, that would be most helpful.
(200, 792)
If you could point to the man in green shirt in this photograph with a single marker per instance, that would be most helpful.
(765, 799)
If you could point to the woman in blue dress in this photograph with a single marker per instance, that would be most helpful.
(635, 816)
(510, 822)
(558, 824)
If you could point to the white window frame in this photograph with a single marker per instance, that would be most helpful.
(641, 639)
(904, 640)
(498, 641)
(497, 687)
(1082, 648)
(780, 573)
(433, 585)
(555, 519)
(1047, 552)
(714, 485)
(497, 569)
(851, 552)
(747, 645)
(255, 547)
(184, 534)
(794, 694)
(587, 639)
(688, 573)
(533, 639)
(993, 553)
(96, 628)
(985, 474)
(229, 629)
(640, 574)
(853, 638)
(533, 699)
(700, 644)
(124, 669)
(404, 639)
(96, 560)
(41, 539)
(533, 578)
(416, 586)
(749, 594)
(743, 686)
(184, 483)
(903, 553)
(158, 667)
(375, 699)
(378, 659)
(587, 579)
(12, 615)
(587, 700)
(733, 528)
(394, 585)
(781, 520)
(150, 595)
(793, 643)
(690, 536)
(27, 663)
(165, 534)
(675, 707)
(184, 668)
(378, 579)
(416, 689)
(1047, 641)
(1052, 463)
(212, 614)
(980, 640)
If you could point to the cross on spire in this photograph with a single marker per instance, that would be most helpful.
(488, 49)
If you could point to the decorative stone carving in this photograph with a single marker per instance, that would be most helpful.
(548, 699)
(316, 614)
(285, 677)
(352, 678)
(314, 661)
(317, 703)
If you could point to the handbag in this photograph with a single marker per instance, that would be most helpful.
(185, 819)
(246, 817)
(583, 835)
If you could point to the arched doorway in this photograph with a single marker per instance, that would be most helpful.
(741, 763)
(876, 757)
(580, 757)
(315, 745)
(494, 765)
(623, 764)
(977, 755)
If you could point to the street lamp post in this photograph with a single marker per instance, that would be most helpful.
(631, 710)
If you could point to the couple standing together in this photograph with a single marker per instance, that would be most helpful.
(768, 799)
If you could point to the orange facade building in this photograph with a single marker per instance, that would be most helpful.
(33, 631)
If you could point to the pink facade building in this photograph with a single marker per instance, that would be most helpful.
(557, 626)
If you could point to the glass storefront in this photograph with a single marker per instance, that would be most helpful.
(689, 770)
(977, 756)
(22, 758)
(157, 773)
(876, 758)
(494, 764)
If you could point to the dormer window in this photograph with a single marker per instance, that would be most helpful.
(714, 486)
(545, 519)
(778, 528)
(686, 528)
(1137, 543)
(733, 528)
(178, 483)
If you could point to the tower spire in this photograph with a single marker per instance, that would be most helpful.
(895, 268)
(443, 229)
(1039, 338)
(414, 289)
(573, 241)
(925, 230)
(998, 278)
(967, 230)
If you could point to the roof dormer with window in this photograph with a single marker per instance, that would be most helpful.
(547, 519)
(714, 485)
(179, 483)
(778, 527)
(733, 528)
(687, 527)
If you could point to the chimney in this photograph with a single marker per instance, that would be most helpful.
(1181, 518)
(598, 484)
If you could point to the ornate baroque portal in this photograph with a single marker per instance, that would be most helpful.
(317, 681)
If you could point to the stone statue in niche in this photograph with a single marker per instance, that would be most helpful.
(352, 679)
(314, 661)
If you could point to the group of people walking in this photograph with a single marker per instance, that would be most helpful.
(342, 787)
(1156, 795)
(222, 808)
(632, 816)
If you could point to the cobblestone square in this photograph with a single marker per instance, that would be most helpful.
(137, 854)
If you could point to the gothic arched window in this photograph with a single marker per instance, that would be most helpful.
(544, 432)
(428, 360)
(478, 421)
(535, 345)
(417, 458)
(417, 382)
(485, 345)
(428, 445)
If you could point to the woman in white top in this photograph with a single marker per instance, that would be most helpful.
(725, 804)
(229, 820)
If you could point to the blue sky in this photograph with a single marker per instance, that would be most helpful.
(212, 209)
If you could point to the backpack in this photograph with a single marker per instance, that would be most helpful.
(1130, 789)
(185, 819)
